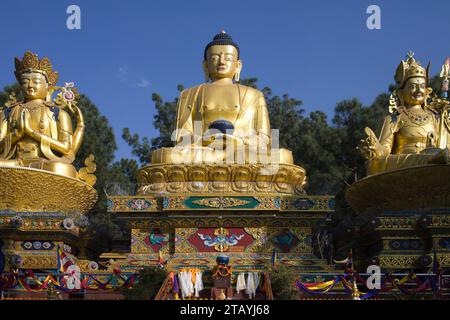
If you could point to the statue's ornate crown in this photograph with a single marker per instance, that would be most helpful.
(410, 69)
(31, 62)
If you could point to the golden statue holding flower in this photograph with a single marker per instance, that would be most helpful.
(38, 142)
(37, 132)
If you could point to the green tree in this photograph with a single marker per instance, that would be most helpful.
(150, 280)
(164, 121)
(14, 88)
(282, 280)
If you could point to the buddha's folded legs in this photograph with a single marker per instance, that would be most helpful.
(191, 154)
(199, 154)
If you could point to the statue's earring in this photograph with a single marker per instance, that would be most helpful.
(237, 76)
(428, 93)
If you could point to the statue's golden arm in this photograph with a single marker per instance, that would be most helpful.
(184, 126)
(2, 125)
(371, 147)
(253, 123)
(262, 119)
(387, 135)
(77, 137)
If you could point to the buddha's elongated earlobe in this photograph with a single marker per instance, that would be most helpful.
(205, 71)
(237, 75)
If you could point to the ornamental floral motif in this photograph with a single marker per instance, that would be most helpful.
(221, 202)
(139, 204)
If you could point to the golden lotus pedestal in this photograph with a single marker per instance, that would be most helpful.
(404, 216)
(192, 213)
(209, 178)
(38, 210)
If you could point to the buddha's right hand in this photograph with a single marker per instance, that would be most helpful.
(370, 147)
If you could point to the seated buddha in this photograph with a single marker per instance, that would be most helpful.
(221, 120)
(37, 133)
(409, 134)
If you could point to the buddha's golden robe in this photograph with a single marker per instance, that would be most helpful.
(243, 106)
(406, 139)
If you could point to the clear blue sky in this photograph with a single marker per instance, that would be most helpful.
(318, 51)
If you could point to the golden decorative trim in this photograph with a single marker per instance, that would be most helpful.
(220, 202)
(402, 189)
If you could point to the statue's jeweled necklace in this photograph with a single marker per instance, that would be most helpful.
(32, 108)
(419, 118)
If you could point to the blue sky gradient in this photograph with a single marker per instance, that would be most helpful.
(320, 52)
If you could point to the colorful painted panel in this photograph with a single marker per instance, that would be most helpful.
(149, 241)
(214, 240)
(291, 240)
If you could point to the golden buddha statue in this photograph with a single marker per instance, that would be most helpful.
(37, 132)
(409, 136)
(221, 120)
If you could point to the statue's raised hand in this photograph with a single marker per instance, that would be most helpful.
(79, 115)
(25, 123)
(370, 147)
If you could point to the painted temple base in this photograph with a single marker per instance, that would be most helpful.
(38, 213)
(191, 213)
(404, 217)
(192, 230)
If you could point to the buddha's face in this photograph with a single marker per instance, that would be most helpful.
(414, 91)
(222, 62)
(34, 85)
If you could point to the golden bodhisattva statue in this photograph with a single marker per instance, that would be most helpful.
(221, 120)
(410, 133)
(42, 193)
(37, 132)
